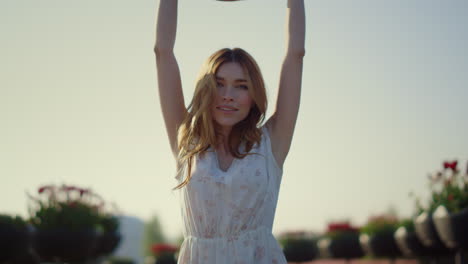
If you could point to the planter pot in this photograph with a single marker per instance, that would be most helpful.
(300, 250)
(323, 246)
(427, 234)
(166, 259)
(64, 244)
(425, 230)
(107, 243)
(384, 245)
(409, 243)
(13, 241)
(400, 238)
(364, 240)
(452, 228)
(443, 226)
(460, 228)
(346, 246)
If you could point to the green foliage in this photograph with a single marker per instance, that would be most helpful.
(16, 221)
(452, 196)
(180, 239)
(380, 225)
(340, 234)
(339, 229)
(449, 188)
(408, 224)
(75, 217)
(153, 234)
(70, 207)
(109, 223)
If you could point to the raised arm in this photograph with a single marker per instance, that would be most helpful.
(282, 122)
(170, 86)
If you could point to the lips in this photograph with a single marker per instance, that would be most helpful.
(226, 108)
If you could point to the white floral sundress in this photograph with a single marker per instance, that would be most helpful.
(228, 215)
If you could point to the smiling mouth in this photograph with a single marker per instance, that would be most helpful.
(224, 109)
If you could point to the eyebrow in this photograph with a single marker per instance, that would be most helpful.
(237, 80)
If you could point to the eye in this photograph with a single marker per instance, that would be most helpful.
(244, 87)
(218, 84)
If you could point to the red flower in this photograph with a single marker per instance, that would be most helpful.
(83, 191)
(451, 165)
(43, 188)
(450, 197)
(158, 249)
(340, 227)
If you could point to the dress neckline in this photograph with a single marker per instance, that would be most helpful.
(217, 165)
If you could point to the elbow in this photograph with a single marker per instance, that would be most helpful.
(158, 50)
(302, 53)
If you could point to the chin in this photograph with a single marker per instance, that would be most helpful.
(226, 123)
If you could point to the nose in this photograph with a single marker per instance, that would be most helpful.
(228, 98)
(227, 94)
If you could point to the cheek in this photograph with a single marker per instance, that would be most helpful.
(245, 100)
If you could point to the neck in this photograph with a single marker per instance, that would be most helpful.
(223, 144)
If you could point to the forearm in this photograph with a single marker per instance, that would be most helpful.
(166, 26)
(296, 27)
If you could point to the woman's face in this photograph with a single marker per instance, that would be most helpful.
(232, 103)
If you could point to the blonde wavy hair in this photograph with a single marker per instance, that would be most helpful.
(198, 132)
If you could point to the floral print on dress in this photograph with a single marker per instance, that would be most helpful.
(259, 252)
(228, 215)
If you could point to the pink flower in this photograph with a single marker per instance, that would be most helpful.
(69, 188)
(259, 252)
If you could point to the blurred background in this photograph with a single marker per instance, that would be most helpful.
(383, 101)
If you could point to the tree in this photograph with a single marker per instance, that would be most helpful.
(153, 234)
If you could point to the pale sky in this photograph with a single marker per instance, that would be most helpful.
(384, 100)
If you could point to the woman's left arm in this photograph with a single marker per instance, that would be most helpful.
(281, 124)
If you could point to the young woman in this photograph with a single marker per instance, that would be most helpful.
(229, 163)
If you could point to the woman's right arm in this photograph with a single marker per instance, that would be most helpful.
(171, 96)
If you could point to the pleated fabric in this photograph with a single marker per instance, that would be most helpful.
(228, 215)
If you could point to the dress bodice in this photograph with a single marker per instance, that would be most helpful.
(228, 215)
